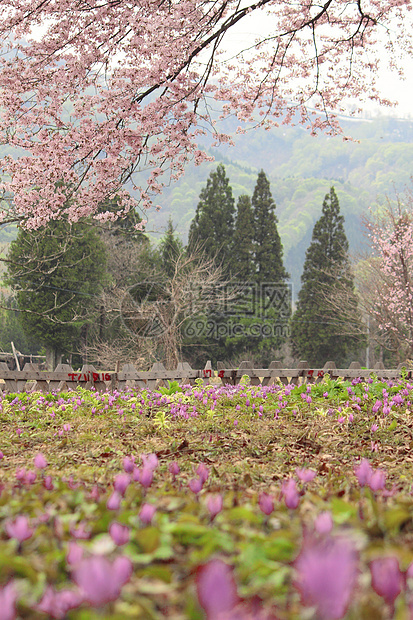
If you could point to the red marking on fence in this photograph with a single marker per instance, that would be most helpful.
(94, 376)
(221, 373)
(207, 372)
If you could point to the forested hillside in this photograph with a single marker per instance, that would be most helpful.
(301, 169)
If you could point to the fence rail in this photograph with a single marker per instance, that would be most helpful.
(64, 377)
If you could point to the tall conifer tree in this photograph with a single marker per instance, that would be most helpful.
(170, 248)
(268, 247)
(314, 326)
(242, 258)
(213, 225)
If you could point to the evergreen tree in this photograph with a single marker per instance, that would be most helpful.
(314, 330)
(56, 273)
(268, 247)
(242, 256)
(170, 248)
(213, 225)
(11, 329)
(260, 316)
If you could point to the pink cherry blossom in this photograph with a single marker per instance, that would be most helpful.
(146, 115)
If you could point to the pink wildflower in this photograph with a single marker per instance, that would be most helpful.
(266, 503)
(150, 461)
(100, 581)
(214, 505)
(216, 588)
(363, 472)
(121, 483)
(114, 501)
(146, 513)
(203, 472)
(74, 553)
(19, 529)
(119, 533)
(290, 493)
(8, 602)
(146, 477)
(326, 576)
(305, 475)
(323, 523)
(80, 533)
(386, 578)
(57, 604)
(195, 484)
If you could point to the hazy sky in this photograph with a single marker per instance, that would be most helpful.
(391, 86)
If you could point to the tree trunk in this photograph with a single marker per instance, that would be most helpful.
(53, 358)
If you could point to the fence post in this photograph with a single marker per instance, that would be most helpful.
(184, 371)
(353, 366)
(56, 385)
(207, 372)
(302, 368)
(248, 365)
(221, 366)
(153, 380)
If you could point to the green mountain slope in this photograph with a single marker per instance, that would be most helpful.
(302, 169)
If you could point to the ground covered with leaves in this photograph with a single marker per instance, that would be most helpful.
(208, 501)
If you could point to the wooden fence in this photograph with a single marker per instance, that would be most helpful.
(304, 373)
(64, 377)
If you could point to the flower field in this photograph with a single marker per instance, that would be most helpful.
(208, 501)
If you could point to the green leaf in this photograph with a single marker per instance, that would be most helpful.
(342, 510)
(395, 517)
(148, 539)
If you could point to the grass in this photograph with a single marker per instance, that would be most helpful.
(252, 440)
